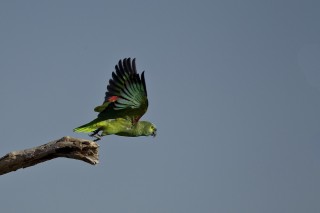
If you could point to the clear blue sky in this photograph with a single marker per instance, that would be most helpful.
(234, 88)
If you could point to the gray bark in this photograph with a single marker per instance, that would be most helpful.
(68, 147)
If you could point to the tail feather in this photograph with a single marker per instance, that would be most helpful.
(86, 128)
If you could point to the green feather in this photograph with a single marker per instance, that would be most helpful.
(120, 126)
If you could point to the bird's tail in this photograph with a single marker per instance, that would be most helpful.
(89, 127)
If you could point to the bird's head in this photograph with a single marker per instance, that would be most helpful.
(148, 128)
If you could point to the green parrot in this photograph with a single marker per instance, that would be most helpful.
(124, 104)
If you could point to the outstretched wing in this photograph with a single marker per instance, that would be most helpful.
(126, 94)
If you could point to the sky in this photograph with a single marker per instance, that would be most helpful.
(233, 87)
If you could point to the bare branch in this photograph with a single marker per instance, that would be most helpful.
(68, 147)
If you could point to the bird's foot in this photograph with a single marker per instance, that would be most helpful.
(94, 133)
(97, 139)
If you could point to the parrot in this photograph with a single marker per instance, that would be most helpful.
(124, 104)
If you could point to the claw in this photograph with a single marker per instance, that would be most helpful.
(97, 139)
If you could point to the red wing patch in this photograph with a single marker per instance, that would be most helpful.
(113, 98)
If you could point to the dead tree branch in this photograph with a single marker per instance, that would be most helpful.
(68, 147)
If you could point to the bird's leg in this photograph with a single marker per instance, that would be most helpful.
(94, 133)
(97, 136)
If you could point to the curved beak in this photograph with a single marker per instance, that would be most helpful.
(154, 134)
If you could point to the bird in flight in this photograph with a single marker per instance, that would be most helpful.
(124, 104)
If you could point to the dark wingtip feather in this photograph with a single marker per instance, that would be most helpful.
(134, 69)
(125, 73)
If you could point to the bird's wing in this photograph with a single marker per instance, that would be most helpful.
(126, 92)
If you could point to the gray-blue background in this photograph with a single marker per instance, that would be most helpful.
(234, 88)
